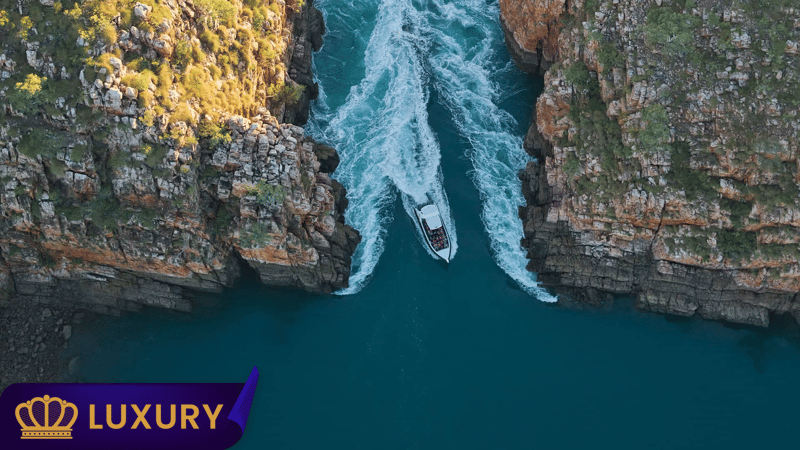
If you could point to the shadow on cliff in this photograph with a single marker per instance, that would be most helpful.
(248, 290)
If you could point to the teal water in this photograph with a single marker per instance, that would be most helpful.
(419, 355)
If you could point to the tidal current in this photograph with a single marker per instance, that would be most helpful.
(421, 98)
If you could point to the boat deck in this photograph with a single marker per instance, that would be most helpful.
(437, 236)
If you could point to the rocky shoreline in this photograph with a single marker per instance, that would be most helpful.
(170, 213)
(675, 234)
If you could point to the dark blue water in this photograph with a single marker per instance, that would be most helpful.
(427, 356)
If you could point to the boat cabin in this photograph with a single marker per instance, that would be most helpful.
(434, 229)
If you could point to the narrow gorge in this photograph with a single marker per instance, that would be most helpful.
(160, 167)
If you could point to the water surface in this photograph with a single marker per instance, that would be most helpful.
(419, 355)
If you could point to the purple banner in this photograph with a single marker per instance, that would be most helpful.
(176, 416)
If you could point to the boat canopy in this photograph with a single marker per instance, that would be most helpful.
(431, 215)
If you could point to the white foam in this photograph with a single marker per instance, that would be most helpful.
(382, 131)
(467, 34)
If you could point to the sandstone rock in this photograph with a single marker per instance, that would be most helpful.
(163, 45)
(642, 232)
(531, 31)
(142, 11)
(168, 201)
(32, 59)
(131, 93)
(113, 100)
(741, 40)
(116, 64)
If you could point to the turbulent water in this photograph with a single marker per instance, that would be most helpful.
(382, 130)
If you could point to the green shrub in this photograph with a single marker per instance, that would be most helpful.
(141, 81)
(183, 113)
(681, 176)
(266, 53)
(736, 245)
(267, 194)
(198, 84)
(210, 40)
(259, 20)
(120, 159)
(214, 133)
(57, 167)
(147, 218)
(590, 7)
(222, 219)
(183, 53)
(145, 100)
(655, 133)
(71, 211)
(220, 10)
(36, 210)
(670, 31)
(738, 210)
(577, 74)
(78, 152)
(47, 260)
(155, 156)
(39, 141)
(257, 236)
(274, 7)
(285, 93)
(610, 57)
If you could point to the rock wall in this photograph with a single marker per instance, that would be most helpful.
(531, 30)
(666, 146)
(127, 182)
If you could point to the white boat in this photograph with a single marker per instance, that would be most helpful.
(433, 230)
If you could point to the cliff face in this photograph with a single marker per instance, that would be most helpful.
(531, 29)
(147, 150)
(667, 157)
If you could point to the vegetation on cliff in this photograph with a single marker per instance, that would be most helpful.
(673, 128)
(724, 110)
(133, 135)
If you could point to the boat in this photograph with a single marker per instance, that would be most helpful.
(433, 230)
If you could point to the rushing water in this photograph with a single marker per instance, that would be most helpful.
(420, 97)
(382, 128)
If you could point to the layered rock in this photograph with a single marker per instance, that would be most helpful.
(666, 145)
(163, 166)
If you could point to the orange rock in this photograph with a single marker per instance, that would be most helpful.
(534, 24)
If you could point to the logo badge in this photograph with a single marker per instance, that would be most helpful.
(46, 418)
(125, 416)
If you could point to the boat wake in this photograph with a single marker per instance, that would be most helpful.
(381, 128)
(464, 72)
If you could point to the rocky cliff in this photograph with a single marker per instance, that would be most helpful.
(147, 149)
(666, 145)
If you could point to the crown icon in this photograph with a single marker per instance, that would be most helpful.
(45, 416)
